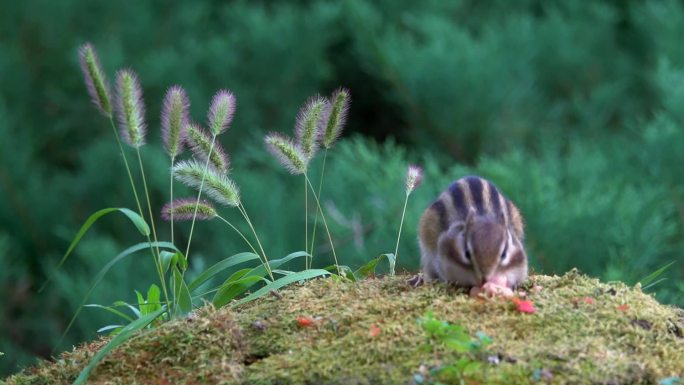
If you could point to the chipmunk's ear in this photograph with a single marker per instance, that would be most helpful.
(469, 220)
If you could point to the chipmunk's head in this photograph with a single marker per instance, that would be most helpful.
(482, 249)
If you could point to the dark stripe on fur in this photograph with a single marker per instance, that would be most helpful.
(494, 199)
(475, 185)
(458, 198)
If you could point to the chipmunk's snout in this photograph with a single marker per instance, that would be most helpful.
(495, 279)
(485, 279)
(481, 277)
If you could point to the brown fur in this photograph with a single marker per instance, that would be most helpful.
(429, 228)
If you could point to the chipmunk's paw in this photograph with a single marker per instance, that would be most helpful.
(416, 281)
(496, 287)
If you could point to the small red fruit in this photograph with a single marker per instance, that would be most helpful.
(524, 306)
(374, 331)
(304, 322)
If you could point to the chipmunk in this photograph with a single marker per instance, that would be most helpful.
(473, 236)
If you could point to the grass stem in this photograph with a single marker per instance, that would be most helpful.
(308, 261)
(128, 169)
(162, 278)
(157, 264)
(147, 197)
(249, 223)
(173, 160)
(401, 224)
(239, 233)
(320, 189)
(325, 224)
(199, 195)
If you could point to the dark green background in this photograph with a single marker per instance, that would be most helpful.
(573, 108)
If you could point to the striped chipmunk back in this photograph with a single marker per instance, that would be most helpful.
(472, 233)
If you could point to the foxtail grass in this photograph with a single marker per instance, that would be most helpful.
(222, 190)
(208, 174)
(335, 121)
(308, 126)
(291, 155)
(214, 180)
(287, 153)
(221, 111)
(95, 79)
(130, 113)
(130, 108)
(339, 107)
(414, 175)
(310, 123)
(174, 118)
(183, 209)
(201, 146)
(216, 185)
(219, 117)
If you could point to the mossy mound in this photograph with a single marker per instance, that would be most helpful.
(583, 331)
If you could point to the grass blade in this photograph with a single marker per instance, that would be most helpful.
(111, 310)
(282, 272)
(221, 266)
(346, 271)
(646, 281)
(129, 251)
(119, 339)
(153, 299)
(133, 309)
(181, 294)
(279, 262)
(230, 290)
(650, 285)
(280, 282)
(137, 220)
(167, 258)
(237, 284)
(261, 269)
(141, 302)
(110, 327)
(241, 281)
(369, 268)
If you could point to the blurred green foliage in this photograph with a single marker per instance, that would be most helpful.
(574, 109)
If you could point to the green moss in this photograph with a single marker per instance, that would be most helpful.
(262, 343)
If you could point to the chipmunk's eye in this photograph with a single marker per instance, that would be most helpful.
(503, 254)
(467, 254)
